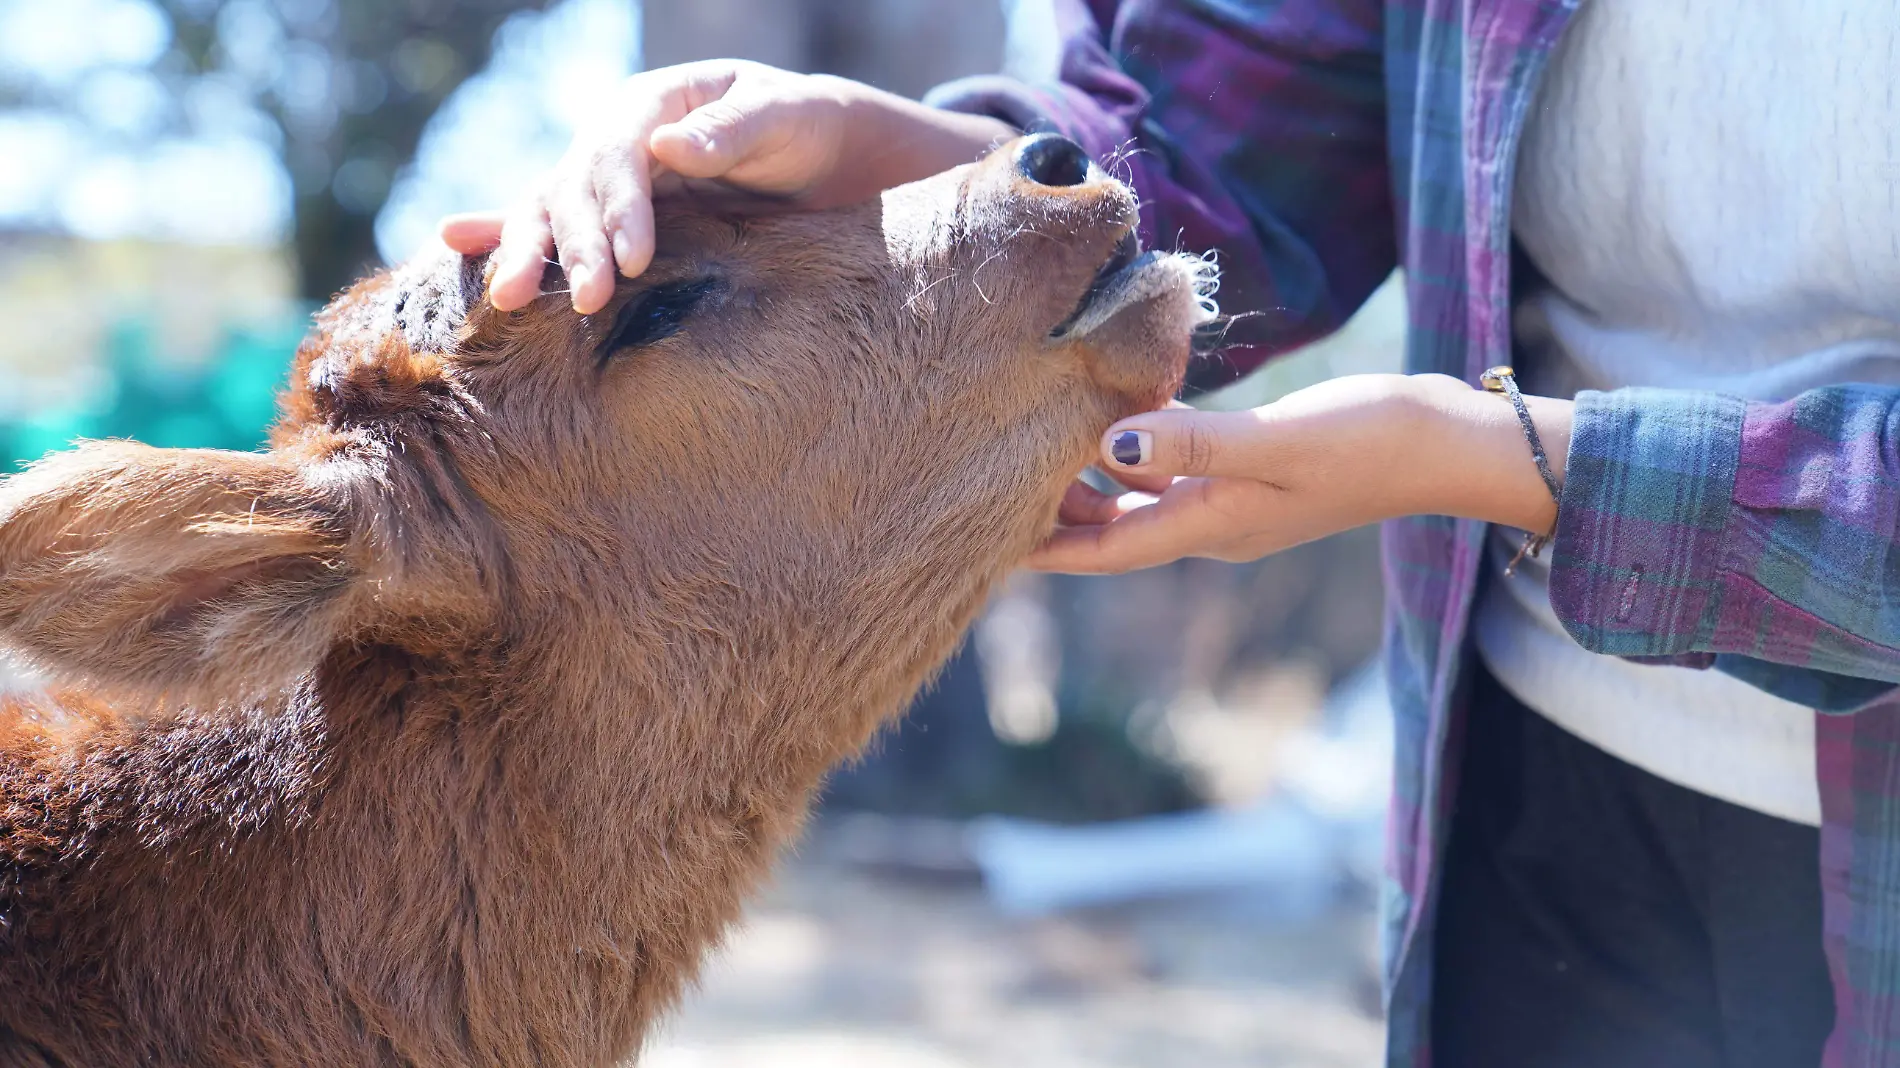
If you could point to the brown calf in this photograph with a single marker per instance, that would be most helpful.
(453, 728)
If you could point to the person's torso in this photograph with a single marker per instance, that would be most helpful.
(1712, 191)
(1708, 192)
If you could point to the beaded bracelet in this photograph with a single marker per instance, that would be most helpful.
(1504, 380)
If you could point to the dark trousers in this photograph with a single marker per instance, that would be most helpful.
(1595, 916)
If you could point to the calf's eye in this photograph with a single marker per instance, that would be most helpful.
(654, 315)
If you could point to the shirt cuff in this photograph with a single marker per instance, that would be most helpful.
(1649, 492)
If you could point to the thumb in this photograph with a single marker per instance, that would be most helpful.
(712, 140)
(1183, 442)
(472, 233)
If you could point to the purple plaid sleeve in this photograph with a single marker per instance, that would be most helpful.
(1254, 129)
(1695, 525)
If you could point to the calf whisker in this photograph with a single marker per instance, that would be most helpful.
(976, 274)
(1117, 163)
(911, 304)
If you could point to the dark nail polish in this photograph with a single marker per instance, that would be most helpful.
(1126, 448)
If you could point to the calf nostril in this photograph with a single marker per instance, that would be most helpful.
(1053, 160)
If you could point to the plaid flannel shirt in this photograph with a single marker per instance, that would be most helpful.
(1318, 144)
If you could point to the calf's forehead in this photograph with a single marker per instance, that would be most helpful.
(778, 246)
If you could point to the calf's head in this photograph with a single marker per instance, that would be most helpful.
(799, 424)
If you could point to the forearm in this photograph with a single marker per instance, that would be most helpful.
(1473, 460)
(893, 140)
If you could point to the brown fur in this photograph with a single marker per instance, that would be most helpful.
(453, 728)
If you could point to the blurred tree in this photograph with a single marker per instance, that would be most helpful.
(350, 84)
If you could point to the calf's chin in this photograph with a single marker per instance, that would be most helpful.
(454, 727)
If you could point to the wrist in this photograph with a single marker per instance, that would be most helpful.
(1476, 463)
(892, 140)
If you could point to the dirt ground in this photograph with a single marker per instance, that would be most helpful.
(838, 967)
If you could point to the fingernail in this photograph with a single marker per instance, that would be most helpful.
(623, 248)
(1132, 448)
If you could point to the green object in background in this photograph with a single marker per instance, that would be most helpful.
(244, 381)
(227, 401)
(42, 434)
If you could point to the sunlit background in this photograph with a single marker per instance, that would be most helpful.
(1138, 821)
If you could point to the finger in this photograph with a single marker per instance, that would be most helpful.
(527, 243)
(1091, 550)
(1138, 479)
(727, 132)
(581, 244)
(473, 233)
(623, 189)
(1141, 482)
(1084, 505)
(1144, 532)
(1188, 443)
(1195, 517)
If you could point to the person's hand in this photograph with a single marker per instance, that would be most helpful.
(719, 128)
(1347, 452)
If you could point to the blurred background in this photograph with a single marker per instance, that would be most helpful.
(1138, 821)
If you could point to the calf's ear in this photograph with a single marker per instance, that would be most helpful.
(187, 573)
